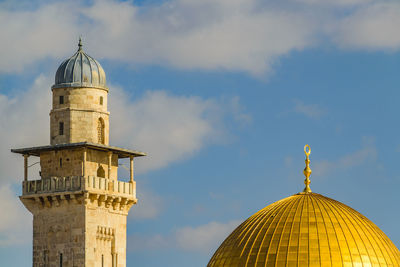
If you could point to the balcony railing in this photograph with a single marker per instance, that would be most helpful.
(78, 183)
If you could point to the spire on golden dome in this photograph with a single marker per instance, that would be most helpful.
(307, 171)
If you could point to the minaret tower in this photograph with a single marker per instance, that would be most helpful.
(78, 204)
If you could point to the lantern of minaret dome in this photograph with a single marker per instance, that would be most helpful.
(79, 112)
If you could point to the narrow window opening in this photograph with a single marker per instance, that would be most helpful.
(72, 257)
(60, 162)
(61, 128)
(102, 260)
(101, 100)
(100, 131)
(61, 259)
(61, 99)
(46, 258)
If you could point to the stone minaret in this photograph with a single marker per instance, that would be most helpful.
(79, 206)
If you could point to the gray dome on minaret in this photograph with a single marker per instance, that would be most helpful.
(80, 70)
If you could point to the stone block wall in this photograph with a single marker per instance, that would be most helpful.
(105, 237)
(57, 116)
(68, 162)
(59, 230)
(80, 98)
(80, 113)
(96, 159)
(84, 126)
(81, 231)
(71, 163)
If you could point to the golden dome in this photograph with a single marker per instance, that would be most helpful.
(307, 229)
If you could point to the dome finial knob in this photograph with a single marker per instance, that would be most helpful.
(307, 171)
(80, 43)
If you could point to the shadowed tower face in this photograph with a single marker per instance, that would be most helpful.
(79, 205)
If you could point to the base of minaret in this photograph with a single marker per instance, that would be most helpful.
(79, 221)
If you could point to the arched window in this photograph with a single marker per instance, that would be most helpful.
(100, 131)
(101, 172)
(61, 128)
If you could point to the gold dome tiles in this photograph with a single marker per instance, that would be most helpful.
(307, 229)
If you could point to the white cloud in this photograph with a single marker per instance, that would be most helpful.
(334, 2)
(312, 111)
(234, 35)
(239, 35)
(29, 36)
(202, 239)
(169, 128)
(14, 224)
(24, 123)
(367, 153)
(142, 242)
(238, 111)
(149, 205)
(374, 26)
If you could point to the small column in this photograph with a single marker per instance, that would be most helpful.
(84, 162)
(26, 167)
(113, 254)
(131, 169)
(109, 164)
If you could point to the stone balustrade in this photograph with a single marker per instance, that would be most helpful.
(78, 183)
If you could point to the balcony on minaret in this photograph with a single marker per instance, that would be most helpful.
(78, 183)
(70, 171)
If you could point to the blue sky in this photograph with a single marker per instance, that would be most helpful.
(223, 95)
